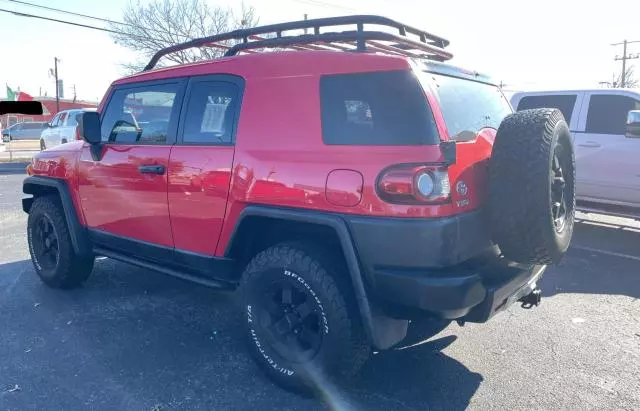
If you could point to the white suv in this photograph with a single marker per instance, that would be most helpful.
(61, 129)
(607, 158)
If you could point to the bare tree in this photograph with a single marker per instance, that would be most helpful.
(630, 80)
(162, 23)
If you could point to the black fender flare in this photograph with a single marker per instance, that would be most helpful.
(382, 332)
(37, 185)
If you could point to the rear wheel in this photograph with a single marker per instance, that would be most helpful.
(302, 324)
(52, 254)
(532, 186)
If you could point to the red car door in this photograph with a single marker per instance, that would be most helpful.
(200, 163)
(123, 193)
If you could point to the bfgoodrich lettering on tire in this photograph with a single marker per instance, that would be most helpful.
(50, 246)
(532, 186)
(301, 321)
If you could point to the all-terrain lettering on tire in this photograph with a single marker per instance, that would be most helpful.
(301, 326)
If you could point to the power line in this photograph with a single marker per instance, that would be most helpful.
(21, 14)
(319, 3)
(73, 13)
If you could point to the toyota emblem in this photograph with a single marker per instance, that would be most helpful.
(461, 188)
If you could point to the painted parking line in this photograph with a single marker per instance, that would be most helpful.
(605, 252)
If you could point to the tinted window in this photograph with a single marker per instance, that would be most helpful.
(31, 126)
(469, 106)
(210, 114)
(139, 115)
(563, 103)
(608, 113)
(386, 108)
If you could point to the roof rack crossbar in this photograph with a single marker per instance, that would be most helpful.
(272, 36)
(407, 44)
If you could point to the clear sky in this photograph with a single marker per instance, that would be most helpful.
(528, 45)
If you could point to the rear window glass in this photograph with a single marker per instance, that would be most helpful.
(564, 103)
(468, 106)
(383, 108)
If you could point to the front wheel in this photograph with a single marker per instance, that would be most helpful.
(301, 321)
(52, 253)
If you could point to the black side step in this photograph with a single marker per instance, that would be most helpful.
(164, 270)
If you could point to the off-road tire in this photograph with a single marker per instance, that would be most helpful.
(343, 349)
(71, 270)
(520, 205)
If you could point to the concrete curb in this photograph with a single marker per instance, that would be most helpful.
(18, 167)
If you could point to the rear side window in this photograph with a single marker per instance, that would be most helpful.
(469, 106)
(31, 126)
(564, 103)
(383, 108)
(608, 113)
(210, 115)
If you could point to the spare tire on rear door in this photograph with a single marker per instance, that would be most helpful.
(531, 187)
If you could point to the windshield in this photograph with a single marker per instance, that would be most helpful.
(468, 106)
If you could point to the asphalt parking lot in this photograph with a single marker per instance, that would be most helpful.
(135, 340)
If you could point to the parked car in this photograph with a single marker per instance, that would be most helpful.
(24, 131)
(608, 177)
(342, 194)
(61, 129)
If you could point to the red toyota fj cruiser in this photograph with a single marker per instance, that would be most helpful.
(346, 183)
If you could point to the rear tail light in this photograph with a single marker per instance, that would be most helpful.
(415, 184)
(78, 136)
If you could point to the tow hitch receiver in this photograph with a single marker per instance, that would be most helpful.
(532, 299)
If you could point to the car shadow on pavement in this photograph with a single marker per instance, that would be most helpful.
(614, 270)
(133, 339)
(416, 377)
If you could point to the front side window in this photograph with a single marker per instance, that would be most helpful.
(140, 115)
(468, 106)
(563, 102)
(608, 113)
(210, 115)
(381, 108)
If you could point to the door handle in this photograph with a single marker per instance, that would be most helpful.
(151, 169)
(591, 144)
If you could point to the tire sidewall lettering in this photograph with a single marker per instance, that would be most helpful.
(323, 315)
(252, 320)
(254, 336)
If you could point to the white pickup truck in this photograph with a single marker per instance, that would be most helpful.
(605, 129)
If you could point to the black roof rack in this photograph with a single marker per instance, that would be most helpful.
(408, 41)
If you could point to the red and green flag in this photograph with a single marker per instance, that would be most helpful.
(11, 95)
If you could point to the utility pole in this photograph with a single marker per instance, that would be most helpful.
(305, 17)
(74, 93)
(55, 74)
(624, 58)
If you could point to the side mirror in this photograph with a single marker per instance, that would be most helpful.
(89, 127)
(633, 124)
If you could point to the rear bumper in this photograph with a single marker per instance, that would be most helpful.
(473, 295)
(447, 267)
